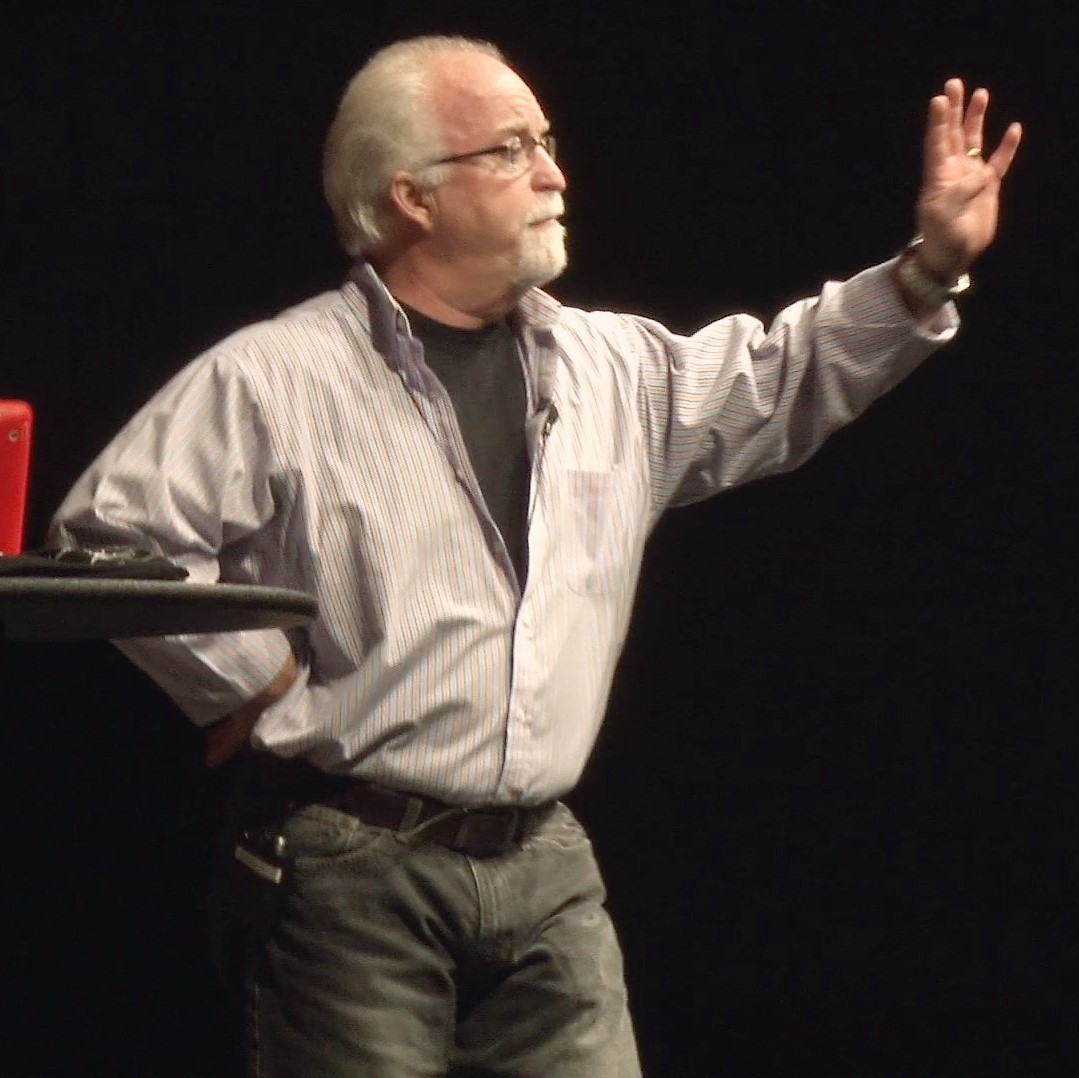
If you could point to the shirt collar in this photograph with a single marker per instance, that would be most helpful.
(538, 309)
(535, 309)
(534, 317)
(386, 318)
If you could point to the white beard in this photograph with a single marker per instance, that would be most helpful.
(543, 251)
(543, 256)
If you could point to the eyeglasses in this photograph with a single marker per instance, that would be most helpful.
(516, 155)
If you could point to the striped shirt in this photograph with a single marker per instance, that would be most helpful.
(318, 451)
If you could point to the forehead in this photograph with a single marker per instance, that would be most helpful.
(475, 95)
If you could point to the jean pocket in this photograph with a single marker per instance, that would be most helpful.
(561, 829)
(318, 834)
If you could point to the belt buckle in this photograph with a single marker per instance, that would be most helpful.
(514, 821)
(509, 823)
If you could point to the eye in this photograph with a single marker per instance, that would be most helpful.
(513, 150)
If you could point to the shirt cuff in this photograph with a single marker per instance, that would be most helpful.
(872, 298)
(209, 676)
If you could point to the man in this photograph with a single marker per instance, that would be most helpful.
(465, 473)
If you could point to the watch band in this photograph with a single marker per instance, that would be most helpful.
(925, 289)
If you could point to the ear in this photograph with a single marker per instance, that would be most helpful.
(415, 204)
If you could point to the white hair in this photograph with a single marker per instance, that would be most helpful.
(385, 122)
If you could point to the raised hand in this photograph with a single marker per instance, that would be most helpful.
(958, 203)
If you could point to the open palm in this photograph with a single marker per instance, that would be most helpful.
(959, 200)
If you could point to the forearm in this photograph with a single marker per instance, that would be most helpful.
(209, 676)
(762, 402)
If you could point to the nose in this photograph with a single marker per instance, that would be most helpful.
(546, 175)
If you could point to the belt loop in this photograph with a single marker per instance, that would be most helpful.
(460, 840)
(412, 814)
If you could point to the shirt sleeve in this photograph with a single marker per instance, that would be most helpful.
(190, 476)
(735, 402)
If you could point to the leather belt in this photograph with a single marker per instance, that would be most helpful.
(484, 831)
(479, 832)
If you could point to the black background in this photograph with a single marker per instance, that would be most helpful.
(834, 794)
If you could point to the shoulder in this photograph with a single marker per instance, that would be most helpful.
(609, 338)
(317, 343)
(324, 324)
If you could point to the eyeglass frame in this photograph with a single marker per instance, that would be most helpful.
(526, 144)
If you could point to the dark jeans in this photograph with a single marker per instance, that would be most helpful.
(397, 957)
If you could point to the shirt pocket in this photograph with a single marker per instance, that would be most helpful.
(591, 561)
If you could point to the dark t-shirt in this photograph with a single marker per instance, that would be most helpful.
(481, 371)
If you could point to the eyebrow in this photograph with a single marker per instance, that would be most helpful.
(523, 129)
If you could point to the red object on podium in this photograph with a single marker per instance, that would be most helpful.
(16, 428)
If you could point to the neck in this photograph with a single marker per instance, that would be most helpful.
(452, 296)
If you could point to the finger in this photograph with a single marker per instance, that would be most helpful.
(953, 90)
(1004, 154)
(937, 139)
(225, 739)
(218, 748)
(216, 752)
(974, 121)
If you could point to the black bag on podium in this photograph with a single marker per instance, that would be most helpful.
(111, 563)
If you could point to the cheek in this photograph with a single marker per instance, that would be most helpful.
(501, 225)
(486, 222)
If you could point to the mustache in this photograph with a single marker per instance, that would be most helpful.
(550, 206)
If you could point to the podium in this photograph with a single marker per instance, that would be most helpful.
(65, 608)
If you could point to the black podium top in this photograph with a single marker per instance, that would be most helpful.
(47, 608)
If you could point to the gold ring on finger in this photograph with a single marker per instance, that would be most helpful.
(974, 151)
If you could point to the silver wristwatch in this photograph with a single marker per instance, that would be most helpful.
(924, 288)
